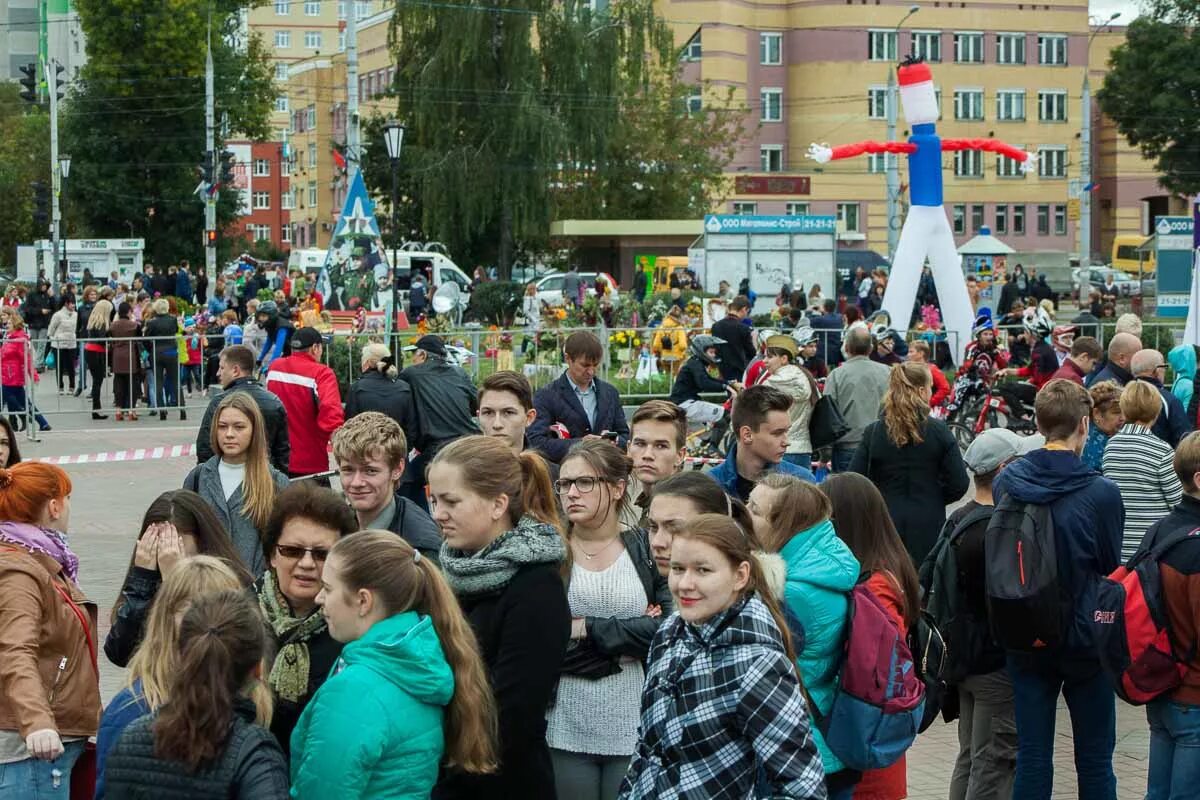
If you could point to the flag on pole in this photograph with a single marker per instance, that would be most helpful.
(339, 160)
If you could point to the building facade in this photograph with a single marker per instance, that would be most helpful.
(262, 180)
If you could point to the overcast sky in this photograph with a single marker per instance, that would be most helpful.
(1103, 8)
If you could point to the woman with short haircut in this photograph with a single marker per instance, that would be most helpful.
(1106, 421)
(49, 691)
(862, 521)
(409, 691)
(307, 522)
(502, 556)
(178, 524)
(678, 499)
(723, 709)
(1141, 464)
(617, 600)
(792, 519)
(163, 331)
(239, 481)
(157, 658)
(913, 459)
(204, 742)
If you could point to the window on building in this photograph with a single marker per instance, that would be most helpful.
(772, 104)
(262, 168)
(312, 154)
(693, 50)
(261, 200)
(927, 45)
(1060, 220)
(1018, 220)
(285, 167)
(959, 218)
(1052, 49)
(695, 101)
(770, 157)
(1001, 219)
(341, 41)
(341, 9)
(312, 8)
(1052, 105)
(1008, 168)
(312, 40)
(310, 117)
(287, 200)
(797, 209)
(259, 232)
(283, 8)
(976, 218)
(744, 208)
(281, 103)
(847, 214)
(877, 102)
(881, 45)
(1010, 48)
(968, 164)
(363, 8)
(877, 163)
(968, 104)
(770, 48)
(968, 48)
(312, 194)
(1043, 220)
(1052, 162)
(1010, 105)
(285, 234)
(281, 70)
(283, 39)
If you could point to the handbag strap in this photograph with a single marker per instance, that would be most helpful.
(79, 615)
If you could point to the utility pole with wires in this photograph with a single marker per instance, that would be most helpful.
(353, 154)
(210, 133)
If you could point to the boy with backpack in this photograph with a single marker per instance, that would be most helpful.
(1056, 530)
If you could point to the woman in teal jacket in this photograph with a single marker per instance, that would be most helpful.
(791, 517)
(409, 691)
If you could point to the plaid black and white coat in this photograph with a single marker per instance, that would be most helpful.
(723, 715)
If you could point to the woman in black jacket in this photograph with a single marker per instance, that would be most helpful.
(162, 332)
(502, 556)
(177, 524)
(378, 390)
(913, 459)
(204, 743)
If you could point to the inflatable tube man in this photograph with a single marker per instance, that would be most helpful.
(926, 233)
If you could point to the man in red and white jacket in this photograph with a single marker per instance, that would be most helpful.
(309, 391)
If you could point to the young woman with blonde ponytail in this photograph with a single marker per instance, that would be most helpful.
(502, 556)
(409, 692)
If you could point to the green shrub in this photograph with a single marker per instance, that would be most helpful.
(496, 303)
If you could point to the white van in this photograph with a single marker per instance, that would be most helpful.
(306, 261)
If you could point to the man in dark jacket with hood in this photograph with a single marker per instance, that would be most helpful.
(38, 308)
(235, 372)
(1088, 520)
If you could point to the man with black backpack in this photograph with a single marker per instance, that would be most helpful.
(1055, 531)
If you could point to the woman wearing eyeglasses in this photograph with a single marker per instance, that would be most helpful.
(502, 555)
(617, 600)
(307, 522)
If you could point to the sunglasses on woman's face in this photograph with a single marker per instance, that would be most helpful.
(296, 553)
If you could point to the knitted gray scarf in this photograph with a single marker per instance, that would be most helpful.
(491, 568)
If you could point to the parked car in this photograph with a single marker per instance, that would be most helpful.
(550, 288)
(1096, 277)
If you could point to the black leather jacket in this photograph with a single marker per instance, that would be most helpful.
(632, 636)
(375, 391)
(137, 593)
(274, 417)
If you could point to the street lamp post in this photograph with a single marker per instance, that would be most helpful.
(393, 135)
(893, 170)
(64, 169)
(1085, 158)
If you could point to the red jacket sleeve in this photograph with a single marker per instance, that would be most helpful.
(330, 415)
(941, 387)
(989, 145)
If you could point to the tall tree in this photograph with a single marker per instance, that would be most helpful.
(24, 158)
(1152, 91)
(135, 124)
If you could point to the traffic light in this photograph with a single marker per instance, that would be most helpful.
(29, 88)
(41, 204)
(210, 238)
(206, 168)
(227, 162)
(59, 69)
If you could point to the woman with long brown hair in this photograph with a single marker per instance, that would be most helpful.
(205, 741)
(862, 521)
(239, 481)
(913, 459)
(502, 556)
(409, 691)
(723, 710)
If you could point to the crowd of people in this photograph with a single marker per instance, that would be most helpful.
(520, 593)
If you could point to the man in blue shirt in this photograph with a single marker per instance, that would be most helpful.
(761, 422)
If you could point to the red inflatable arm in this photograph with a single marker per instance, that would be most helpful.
(990, 145)
(858, 148)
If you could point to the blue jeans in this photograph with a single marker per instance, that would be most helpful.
(799, 459)
(14, 402)
(842, 456)
(33, 779)
(1174, 770)
(1092, 705)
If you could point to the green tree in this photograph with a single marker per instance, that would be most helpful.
(1152, 88)
(24, 158)
(377, 175)
(135, 123)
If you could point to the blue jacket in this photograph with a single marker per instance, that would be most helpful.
(726, 473)
(829, 336)
(183, 285)
(1089, 519)
(821, 571)
(1183, 361)
(557, 402)
(128, 705)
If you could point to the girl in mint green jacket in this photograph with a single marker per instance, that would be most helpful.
(409, 691)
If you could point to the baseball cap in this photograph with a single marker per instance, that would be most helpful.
(992, 448)
(432, 345)
(305, 338)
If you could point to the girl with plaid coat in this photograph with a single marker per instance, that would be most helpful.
(723, 711)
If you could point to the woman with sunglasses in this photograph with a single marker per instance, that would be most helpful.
(307, 522)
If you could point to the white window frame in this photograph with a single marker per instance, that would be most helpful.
(877, 102)
(695, 101)
(1052, 49)
(978, 217)
(312, 40)
(283, 40)
(1010, 48)
(968, 163)
(341, 10)
(694, 49)
(261, 201)
(1018, 219)
(287, 200)
(877, 163)
(1001, 219)
(1042, 212)
(281, 70)
(766, 43)
(1052, 105)
(798, 209)
(312, 194)
(341, 41)
(968, 104)
(968, 47)
(285, 234)
(283, 8)
(847, 212)
(1008, 168)
(927, 45)
(312, 154)
(744, 207)
(882, 45)
(1007, 109)
(1059, 221)
(958, 219)
(281, 104)
(771, 98)
(1052, 162)
(363, 7)
(262, 168)
(768, 153)
(312, 8)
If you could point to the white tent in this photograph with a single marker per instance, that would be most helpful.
(985, 245)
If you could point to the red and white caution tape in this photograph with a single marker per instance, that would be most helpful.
(138, 454)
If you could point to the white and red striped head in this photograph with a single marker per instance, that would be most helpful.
(917, 96)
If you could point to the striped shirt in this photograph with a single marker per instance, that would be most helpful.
(1142, 466)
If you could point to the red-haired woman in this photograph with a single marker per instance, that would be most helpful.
(49, 691)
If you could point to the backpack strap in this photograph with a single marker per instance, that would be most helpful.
(973, 517)
(1160, 549)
